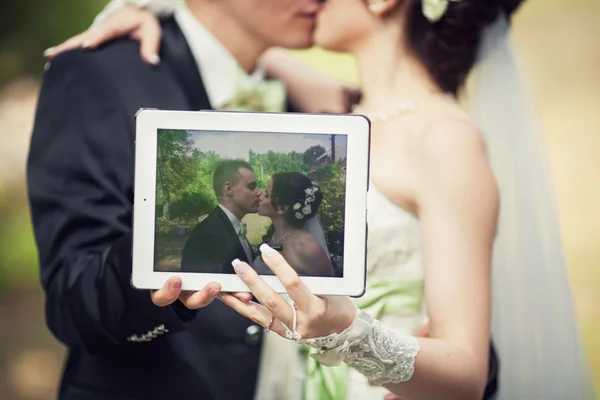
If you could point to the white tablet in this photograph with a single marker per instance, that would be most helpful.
(212, 186)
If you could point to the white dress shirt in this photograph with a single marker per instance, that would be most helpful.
(215, 63)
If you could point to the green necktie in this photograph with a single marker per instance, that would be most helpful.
(253, 94)
(382, 297)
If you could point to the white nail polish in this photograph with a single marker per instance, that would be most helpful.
(237, 266)
(49, 51)
(86, 44)
(266, 250)
(153, 59)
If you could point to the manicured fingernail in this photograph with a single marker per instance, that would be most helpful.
(266, 250)
(221, 296)
(86, 44)
(238, 267)
(213, 292)
(175, 285)
(153, 59)
(49, 51)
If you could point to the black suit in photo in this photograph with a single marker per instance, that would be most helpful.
(80, 182)
(212, 246)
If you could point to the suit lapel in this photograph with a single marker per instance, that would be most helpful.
(178, 57)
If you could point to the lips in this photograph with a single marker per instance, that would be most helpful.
(309, 15)
(313, 10)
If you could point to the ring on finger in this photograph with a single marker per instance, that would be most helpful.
(268, 328)
(292, 334)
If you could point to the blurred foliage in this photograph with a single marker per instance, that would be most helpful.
(28, 27)
(18, 254)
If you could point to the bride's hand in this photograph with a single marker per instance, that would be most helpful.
(129, 21)
(316, 316)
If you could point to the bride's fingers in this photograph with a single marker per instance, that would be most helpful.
(69, 44)
(255, 312)
(149, 34)
(296, 289)
(263, 292)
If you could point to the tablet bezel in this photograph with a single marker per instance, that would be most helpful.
(355, 127)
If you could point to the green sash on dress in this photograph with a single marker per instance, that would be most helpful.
(384, 296)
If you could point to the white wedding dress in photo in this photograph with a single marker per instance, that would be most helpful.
(394, 295)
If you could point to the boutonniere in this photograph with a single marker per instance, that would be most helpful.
(253, 94)
(434, 10)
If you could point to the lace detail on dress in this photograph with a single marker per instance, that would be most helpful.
(375, 351)
(384, 357)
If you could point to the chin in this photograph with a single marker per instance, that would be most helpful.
(299, 35)
(323, 39)
(298, 43)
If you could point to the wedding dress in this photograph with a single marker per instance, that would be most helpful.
(394, 295)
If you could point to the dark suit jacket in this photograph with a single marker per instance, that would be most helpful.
(212, 246)
(80, 182)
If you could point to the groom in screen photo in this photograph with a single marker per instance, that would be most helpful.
(221, 236)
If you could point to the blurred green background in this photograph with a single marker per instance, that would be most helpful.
(557, 44)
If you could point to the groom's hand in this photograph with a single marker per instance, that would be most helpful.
(171, 291)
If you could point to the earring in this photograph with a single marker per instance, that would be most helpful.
(375, 7)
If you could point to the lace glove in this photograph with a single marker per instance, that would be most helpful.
(370, 348)
(160, 8)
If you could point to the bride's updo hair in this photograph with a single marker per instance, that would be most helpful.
(298, 195)
(448, 48)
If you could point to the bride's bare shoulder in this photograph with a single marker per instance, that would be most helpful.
(305, 243)
(451, 137)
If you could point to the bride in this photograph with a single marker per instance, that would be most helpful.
(437, 220)
(290, 200)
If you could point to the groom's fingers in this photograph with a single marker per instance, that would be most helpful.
(288, 277)
(245, 297)
(168, 294)
(263, 292)
(201, 298)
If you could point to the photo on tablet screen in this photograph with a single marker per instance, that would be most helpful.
(220, 195)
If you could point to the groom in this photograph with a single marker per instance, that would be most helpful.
(80, 182)
(221, 236)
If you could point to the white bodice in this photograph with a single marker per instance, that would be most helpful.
(394, 243)
(394, 252)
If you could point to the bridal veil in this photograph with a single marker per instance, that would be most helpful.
(534, 324)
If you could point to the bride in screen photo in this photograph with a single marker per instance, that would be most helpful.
(290, 201)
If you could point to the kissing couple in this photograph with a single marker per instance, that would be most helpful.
(290, 201)
(443, 207)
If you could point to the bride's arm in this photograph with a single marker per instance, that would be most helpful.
(308, 90)
(458, 207)
(312, 259)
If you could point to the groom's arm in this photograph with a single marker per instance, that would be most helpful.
(80, 178)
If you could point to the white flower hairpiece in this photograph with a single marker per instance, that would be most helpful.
(434, 10)
(303, 209)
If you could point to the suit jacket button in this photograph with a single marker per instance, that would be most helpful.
(253, 335)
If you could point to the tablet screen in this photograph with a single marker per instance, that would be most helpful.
(220, 195)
